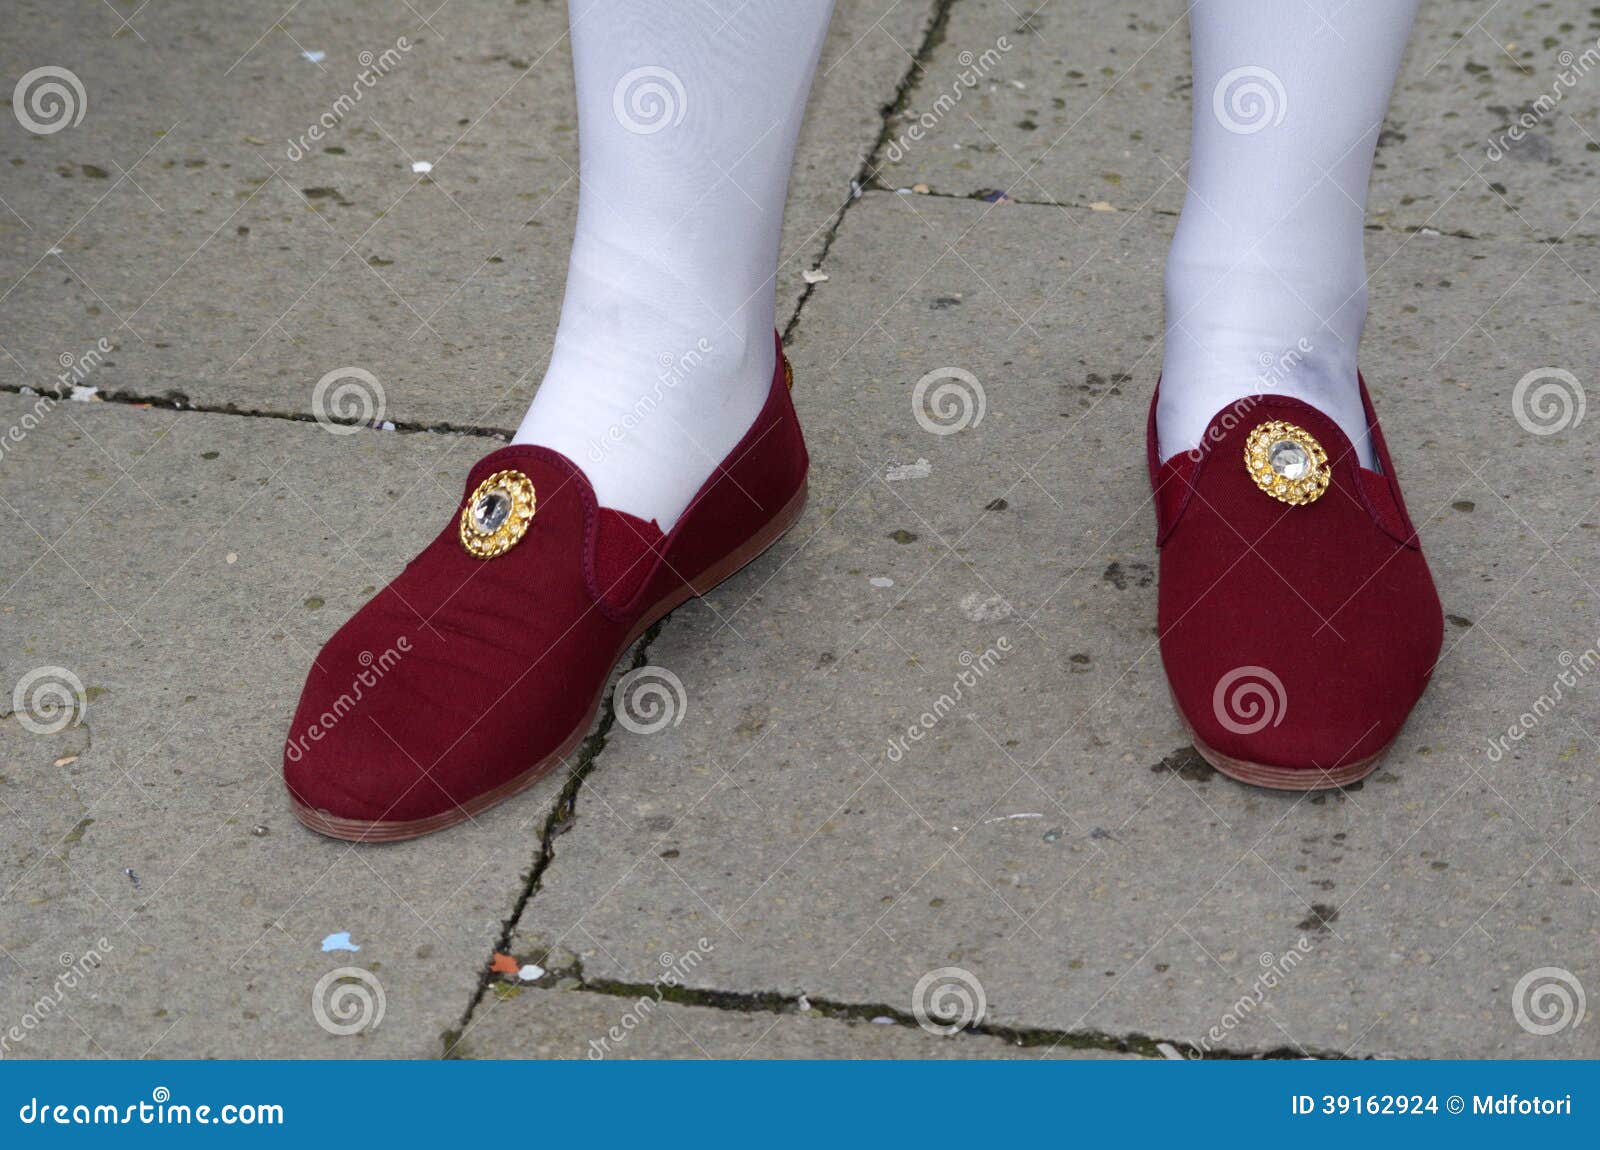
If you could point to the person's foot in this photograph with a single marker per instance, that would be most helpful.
(688, 115)
(1299, 623)
(1266, 282)
(482, 665)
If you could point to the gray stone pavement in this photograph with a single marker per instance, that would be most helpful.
(1091, 104)
(181, 542)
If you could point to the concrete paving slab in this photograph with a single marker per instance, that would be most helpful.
(1090, 103)
(173, 574)
(1048, 830)
(232, 260)
(525, 1022)
(1044, 837)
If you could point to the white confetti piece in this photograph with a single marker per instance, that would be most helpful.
(984, 609)
(896, 472)
(881, 581)
(314, 57)
(815, 276)
(421, 167)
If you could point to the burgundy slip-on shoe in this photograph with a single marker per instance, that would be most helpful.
(482, 665)
(1299, 623)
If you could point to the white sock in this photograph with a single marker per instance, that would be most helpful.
(1266, 281)
(687, 119)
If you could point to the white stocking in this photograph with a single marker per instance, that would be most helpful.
(687, 119)
(1266, 281)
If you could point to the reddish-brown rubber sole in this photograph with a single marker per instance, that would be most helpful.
(1282, 778)
(388, 831)
(1289, 778)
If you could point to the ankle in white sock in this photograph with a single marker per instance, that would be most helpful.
(1266, 279)
(687, 120)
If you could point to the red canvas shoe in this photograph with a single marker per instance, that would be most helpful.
(483, 664)
(1299, 623)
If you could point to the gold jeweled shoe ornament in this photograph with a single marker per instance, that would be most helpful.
(497, 514)
(1287, 462)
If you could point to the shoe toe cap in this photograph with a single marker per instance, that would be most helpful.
(360, 746)
(345, 767)
(1286, 717)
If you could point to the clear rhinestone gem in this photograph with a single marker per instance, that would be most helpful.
(1289, 459)
(491, 510)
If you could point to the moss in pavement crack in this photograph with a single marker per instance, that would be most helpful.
(1031, 1037)
(562, 813)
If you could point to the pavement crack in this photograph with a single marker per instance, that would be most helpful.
(1027, 1037)
(178, 401)
(990, 195)
(556, 821)
(867, 175)
(566, 803)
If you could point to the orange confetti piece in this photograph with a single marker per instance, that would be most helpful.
(503, 964)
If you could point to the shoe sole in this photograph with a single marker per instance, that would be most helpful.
(1288, 778)
(1282, 778)
(388, 831)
